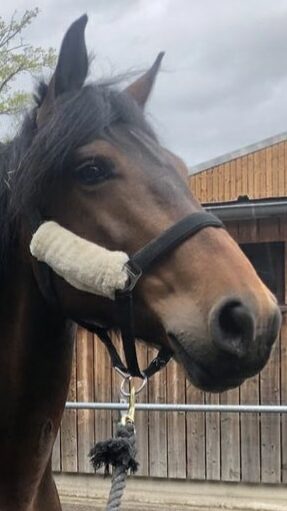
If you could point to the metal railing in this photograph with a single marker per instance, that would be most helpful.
(169, 407)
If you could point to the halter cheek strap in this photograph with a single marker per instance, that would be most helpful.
(136, 267)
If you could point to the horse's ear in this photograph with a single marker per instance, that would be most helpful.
(141, 88)
(72, 66)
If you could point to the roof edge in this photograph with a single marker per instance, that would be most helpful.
(251, 148)
(249, 210)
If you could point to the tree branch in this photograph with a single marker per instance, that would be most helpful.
(11, 76)
(15, 28)
(17, 57)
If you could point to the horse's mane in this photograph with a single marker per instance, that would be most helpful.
(11, 154)
(35, 159)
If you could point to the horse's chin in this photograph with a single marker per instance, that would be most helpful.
(201, 376)
(208, 383)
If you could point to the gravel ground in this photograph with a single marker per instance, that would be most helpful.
(71, 507)
(76, 507)
(84, 493)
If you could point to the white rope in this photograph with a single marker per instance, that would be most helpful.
(83, 264)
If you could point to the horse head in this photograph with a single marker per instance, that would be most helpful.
(96, 168)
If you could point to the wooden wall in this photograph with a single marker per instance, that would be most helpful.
(228, 447)
(261, 174)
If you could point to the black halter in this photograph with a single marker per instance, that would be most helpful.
(137, 265)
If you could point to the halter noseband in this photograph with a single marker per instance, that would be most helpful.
(137, 265)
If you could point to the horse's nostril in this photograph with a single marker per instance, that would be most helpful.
(232, 327)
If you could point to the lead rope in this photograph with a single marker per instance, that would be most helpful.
(119, 452)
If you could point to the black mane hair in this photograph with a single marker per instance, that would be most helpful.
(36, 158)
(11, 154)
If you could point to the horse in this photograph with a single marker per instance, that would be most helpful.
(86, 158)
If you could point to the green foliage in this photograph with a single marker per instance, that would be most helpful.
(17, 57)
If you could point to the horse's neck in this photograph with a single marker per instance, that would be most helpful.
(35, 361)
(35, 340)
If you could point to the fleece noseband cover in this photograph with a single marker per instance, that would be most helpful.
(83, 264)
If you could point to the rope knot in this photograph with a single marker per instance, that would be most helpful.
(116, 452)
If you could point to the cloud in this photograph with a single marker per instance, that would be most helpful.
(224, 77)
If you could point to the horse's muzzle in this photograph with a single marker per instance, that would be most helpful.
(234, 327)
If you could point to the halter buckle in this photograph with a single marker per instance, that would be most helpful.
(134, 273)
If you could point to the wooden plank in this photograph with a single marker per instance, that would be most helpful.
(203, 189)
(69, 427)
(268, 170)
(245, 190)
(232, 228)
(209, 186)
(157, 423)
(250, 175)
(194, 185)
(85, 392)
(56, 456)
(116, 381)
(270, 423)
(247, 231)
(195, 435)
(268, 229)
(198, 187)
(275, 173)
(227, 181)
(233, 180)
(176, 443)
(283, 368)
(281, 174)
(102, 390)
(238, 177)
(250, 393)
(282, 229)
(215, 185)
(256, 174)
(250, 433)
(141, 418)
(262, 176)
(212, 432)
(221, 183)
(191, 183)
(230, 438)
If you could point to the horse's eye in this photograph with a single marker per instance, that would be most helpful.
(94, 171)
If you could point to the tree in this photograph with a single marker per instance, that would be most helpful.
(17, 57)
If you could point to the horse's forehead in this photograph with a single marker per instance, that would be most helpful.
(98, 146)
(152, 160)
(124, 152)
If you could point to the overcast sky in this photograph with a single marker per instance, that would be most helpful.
(223, 83)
